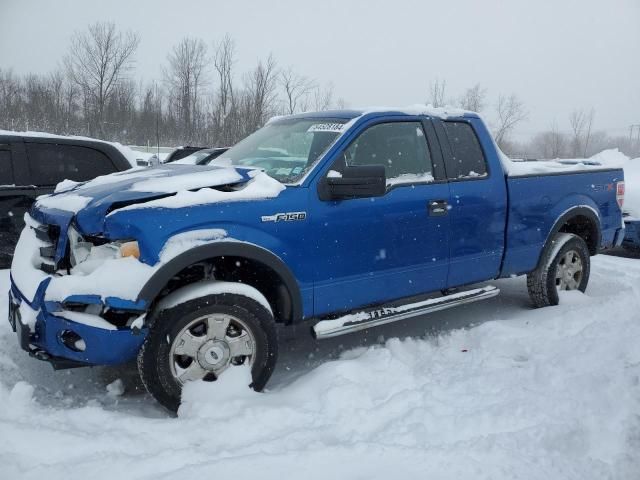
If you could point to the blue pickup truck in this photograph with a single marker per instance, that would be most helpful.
(342, 219)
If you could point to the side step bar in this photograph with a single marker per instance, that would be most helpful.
(353, 322)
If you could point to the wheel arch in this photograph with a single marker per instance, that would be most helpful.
(258, 266)
(582, 221)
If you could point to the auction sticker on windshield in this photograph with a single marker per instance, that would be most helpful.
(326, 127)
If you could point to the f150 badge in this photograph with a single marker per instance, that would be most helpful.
(285, 217)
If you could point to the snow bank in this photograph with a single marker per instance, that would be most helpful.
(632, 188)
(612, 158)
(547, 393)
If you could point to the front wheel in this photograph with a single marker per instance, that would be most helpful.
(565, 265)
(200, 339)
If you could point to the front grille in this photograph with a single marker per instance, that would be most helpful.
(49, 234)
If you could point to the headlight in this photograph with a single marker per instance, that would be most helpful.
(82, 252)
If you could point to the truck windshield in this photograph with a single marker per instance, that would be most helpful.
(285, 149)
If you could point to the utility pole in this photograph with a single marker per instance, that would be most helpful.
(155, 87)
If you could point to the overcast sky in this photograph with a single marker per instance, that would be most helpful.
(556, 55)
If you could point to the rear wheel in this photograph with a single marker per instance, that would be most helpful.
(565, 265)
(199, 340)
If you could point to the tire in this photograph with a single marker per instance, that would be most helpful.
(543, 283)
(159, 362)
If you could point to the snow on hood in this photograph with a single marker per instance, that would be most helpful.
(167, 186)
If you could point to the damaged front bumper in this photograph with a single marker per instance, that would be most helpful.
(71, 320)
(47, 335)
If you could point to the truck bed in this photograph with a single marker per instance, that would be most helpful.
(538, 200)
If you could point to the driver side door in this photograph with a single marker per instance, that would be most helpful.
(373, 250)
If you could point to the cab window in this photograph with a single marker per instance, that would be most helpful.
(401, 147)
(50, 164)
(467, 161)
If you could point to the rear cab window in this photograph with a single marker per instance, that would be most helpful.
(50, 164)
(467, 158)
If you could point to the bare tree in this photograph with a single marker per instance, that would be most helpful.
(577, 122)
(437, 93)
(341, 103)
(473, 98)
(550, 144)
(260, 94)
(510, 112)
(97, 61)
(10, 100)
(224, 104)
(587, 135)
(323, 97)
(296, 90)
(557, 142)
(184, 78)
(581, 123)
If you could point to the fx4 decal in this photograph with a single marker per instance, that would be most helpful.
(607, 187)
(285, 217)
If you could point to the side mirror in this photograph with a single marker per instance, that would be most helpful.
(361, 181)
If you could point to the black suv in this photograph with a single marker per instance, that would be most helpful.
(181, 152)
(32, 165)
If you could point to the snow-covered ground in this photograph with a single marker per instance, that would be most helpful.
(494, 390)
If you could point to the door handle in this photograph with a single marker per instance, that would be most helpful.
(438, 208)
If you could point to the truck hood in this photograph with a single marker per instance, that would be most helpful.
(166, 186)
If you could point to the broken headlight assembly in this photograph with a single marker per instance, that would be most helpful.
(87, 254)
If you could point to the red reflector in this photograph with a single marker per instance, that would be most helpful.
(620, 194)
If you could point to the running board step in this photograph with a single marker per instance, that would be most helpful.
(362, 320)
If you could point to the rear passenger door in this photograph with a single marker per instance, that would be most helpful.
(478, 205)
(50, 164)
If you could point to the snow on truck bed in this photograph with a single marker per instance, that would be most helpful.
(604, 160)
(550, 393)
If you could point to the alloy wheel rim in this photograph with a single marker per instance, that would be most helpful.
(209, 345)
(569, 271)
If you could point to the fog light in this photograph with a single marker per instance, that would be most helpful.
(73, 341)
